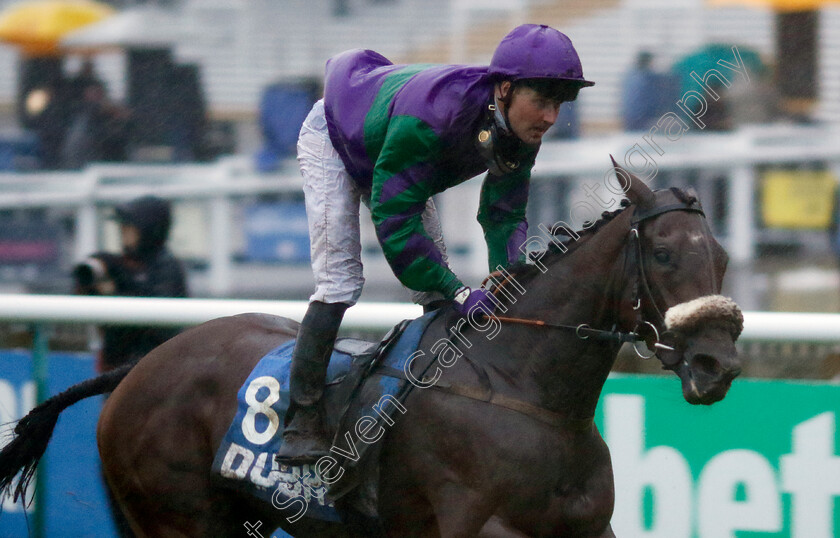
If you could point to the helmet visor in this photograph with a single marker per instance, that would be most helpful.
(558, 90)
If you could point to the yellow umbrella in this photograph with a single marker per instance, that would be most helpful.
(37, 26)
(777, 5)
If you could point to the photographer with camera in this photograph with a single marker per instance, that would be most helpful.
(145, 268)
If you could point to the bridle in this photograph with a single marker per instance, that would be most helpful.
(641, 291)
(641, 286)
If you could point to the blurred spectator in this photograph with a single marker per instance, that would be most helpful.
(97, 130)
(52, 104)
(47, 116)
(188, 124)
(646, 94)
(76, 85)
(145, 268)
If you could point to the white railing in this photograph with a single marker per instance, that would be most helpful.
(758, 326)
(734, 156)
(182, 312)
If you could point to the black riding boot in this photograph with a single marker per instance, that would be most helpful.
(305, 437)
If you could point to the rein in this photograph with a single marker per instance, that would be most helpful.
(582, 331)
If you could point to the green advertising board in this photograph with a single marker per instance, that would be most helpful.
(763, 462)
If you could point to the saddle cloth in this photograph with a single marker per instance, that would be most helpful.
(245, 457)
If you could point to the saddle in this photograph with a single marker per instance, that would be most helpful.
(364, 397)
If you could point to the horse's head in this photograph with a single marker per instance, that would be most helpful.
(680, 269)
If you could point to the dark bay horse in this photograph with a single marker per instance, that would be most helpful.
(502, 442)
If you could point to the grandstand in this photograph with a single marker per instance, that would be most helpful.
(244, 46)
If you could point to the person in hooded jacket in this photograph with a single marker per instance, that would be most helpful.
(145, 268)
(392, 136)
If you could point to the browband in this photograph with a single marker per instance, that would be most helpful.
(639, 216)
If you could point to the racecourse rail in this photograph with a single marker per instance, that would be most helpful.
(40, 309)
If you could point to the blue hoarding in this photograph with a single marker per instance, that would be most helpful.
(75, 496)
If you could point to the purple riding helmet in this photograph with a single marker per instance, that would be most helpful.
(537, 51)
(528, 52)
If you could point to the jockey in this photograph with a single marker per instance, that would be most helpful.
(392, 136)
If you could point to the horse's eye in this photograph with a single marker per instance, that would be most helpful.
(662, 255)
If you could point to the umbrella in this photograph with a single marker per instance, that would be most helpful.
(37, 26)
(776, 5)
(139, 27)
(705, 58)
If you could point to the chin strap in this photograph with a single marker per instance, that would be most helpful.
(500, 114)
(496, 144)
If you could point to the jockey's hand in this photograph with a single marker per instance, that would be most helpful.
(467, 299)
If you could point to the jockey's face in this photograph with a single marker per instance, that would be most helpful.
(529, 113)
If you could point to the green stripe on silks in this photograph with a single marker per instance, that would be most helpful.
(409, 143)
(497, 232)
(377, 118)
(497, 238)
(426, 275)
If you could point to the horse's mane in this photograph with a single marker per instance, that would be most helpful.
(525, 271)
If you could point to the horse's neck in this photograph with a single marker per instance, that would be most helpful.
(565, 372)
(576, 285)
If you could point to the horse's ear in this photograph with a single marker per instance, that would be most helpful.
(638, 193)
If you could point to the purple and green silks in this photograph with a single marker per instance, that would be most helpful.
(407, 132)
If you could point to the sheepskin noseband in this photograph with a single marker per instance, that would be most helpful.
(692, 315)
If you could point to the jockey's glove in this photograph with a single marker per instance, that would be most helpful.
(466, 300)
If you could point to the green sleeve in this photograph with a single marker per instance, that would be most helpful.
(501, 213)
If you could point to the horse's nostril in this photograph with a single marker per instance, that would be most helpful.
(707, 365)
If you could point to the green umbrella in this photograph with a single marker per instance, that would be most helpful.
(705, 58)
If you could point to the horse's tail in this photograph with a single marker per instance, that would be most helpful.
(33, 432)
